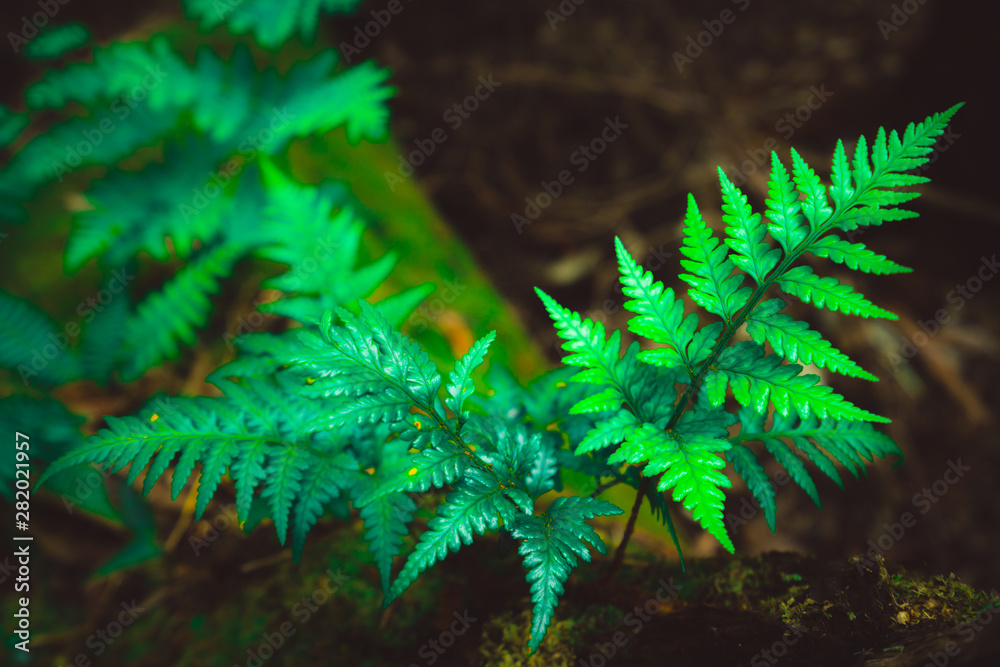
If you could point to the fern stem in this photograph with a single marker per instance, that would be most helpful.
(619, 558)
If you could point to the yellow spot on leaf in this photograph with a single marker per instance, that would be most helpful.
(154, 417)
(413, 471)
(560, 384)
(370, 471)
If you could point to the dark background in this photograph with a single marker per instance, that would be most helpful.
(616, 59)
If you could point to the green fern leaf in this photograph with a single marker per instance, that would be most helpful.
(786, 223)
(793, 464)
(795, 341)
(57, 41)
(608, 432)
(477, 505)
(173, 314)
(550, 545)
(271, 22)
(431, 468)
(746, 233)
(659, 315)
(11, 126)
(855, 256)
(386, 520)
(690, 465)
(101, 339)
(803, 283)
(460, 385)
(816, 208)
(30, 344)
(756, 378)
(586, 340)
(745, 463)
(321, 482)
(713, 285)
(840, 189)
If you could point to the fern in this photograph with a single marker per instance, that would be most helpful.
(801, 219)
(219, 121)
(271, 22)
(351, 410)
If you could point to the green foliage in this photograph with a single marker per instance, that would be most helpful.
(679, 442)
(221, 122)
(271, 22)
(56, 41)
(349, 409)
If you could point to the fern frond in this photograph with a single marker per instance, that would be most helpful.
(806, 285)
(386, 520)
(816, 208)
(690, 467)
(795, 341)
(747, 466)
(460, 385)
(477, 505)
(56, 41)
(173, 314)
(550, 545)
(786, 223)
(11, 126)
(757, 378)
(54, 431)
(753, 254)
(713, 285)
(271, 22)
(846, 442)
(659, 315)
(33, 346)
(586, 340)
(252, 433)
(430, 468)
(855, 256)
(101, 339)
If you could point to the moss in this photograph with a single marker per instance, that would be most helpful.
(505, 637)
(863, 597)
